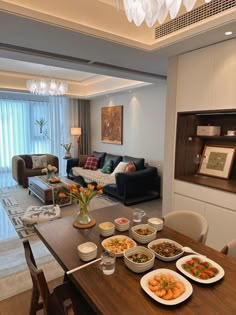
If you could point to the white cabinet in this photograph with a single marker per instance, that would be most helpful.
(207, 78)
(216, 206)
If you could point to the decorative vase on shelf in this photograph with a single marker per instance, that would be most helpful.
(67, 155)
(83, 216)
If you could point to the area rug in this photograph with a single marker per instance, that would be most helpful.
(14, 275)
(16, 200)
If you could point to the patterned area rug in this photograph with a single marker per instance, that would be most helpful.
(15, 201)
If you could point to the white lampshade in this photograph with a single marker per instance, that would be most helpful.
(75, 131)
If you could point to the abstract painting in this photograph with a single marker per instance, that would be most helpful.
(112, 124)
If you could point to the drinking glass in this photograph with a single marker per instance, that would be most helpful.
(108, 263)
(138, 214)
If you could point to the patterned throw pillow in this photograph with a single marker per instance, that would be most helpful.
(107, 168)
(39, 161)
(82, 160)
(92, 163)
(130, 167)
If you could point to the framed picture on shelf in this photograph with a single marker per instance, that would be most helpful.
(217, 161)
(112, 124)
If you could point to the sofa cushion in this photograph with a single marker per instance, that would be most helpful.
(130, 167)
(139, 162)
(91, 163)
(116, 159)
(120, 168)
(82, 160)
(39, 161)
(101, 156)
(107, 168)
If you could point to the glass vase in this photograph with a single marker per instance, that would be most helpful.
(51, 174)
(83, 216)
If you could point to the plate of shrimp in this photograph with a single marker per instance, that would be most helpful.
(166, 286)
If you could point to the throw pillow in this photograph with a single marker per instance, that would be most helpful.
(130, 167)
(39, 161)
(28, 161)
(82, 160)
(120, 168)
(92, 163)
(107, 168)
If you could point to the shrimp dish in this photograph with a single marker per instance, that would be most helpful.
(166, 286)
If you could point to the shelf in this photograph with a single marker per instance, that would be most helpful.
(217, 183)
(233, 138)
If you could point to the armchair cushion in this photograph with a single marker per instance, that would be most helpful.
(28, 161)
(39, 161)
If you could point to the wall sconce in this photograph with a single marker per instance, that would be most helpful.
(76, 132)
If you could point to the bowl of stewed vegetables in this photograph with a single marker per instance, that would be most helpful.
(143, 233)
(166, 249)
(139, 259)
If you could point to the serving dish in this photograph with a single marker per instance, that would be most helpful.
(106, 228)
(54, 180)
(139, 259)
(184, 260)
(122, 224)
(118, 244)
(137, 230)
(144, 282)
(165, 240)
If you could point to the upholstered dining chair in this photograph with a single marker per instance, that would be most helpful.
(189, 223)
(230, 249)
(63, 300)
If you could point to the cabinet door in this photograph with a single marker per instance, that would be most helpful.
(224, 76)
(194, 81)
(222, 224)
(181, 202)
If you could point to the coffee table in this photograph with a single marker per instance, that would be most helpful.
(47, 192)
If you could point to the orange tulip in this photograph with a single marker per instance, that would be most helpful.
(61, 195)
(99, 186)
(81, 189)
(100, 192)
(90, 187)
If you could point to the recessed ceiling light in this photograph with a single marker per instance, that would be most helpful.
(228, 33)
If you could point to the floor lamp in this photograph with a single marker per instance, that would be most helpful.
(76, 132)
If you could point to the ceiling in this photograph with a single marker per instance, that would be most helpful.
(91, 45)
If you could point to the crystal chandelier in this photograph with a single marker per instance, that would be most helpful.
(154, 10)
(47, 87)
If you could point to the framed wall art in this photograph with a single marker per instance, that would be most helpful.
(112, 124)
(217, 161)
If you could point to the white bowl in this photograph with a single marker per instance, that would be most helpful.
(156, 223)
(122, 224)
(139, 267)
(162, 257)
(87, 251)
(143, 239)
(106, 229)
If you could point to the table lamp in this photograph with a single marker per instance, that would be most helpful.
(76, 132)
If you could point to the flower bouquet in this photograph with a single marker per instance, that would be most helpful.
(67, 147)
(83, 196)
(50, 170)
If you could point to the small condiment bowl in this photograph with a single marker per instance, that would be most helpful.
(143, 238)
(122, 224)
(87, 251)
(156, 223)
(136, 266)
(106, 228)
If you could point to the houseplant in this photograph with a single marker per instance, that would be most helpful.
(67, 147)
(83, 196)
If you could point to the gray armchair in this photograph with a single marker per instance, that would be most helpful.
(22, 167)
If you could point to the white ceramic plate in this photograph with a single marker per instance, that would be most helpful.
(217, 277)
(181, 298)
(161, 240)
(115, 249)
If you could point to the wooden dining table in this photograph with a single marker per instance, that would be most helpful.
(121, 292)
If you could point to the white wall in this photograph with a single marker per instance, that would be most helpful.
(143, 123)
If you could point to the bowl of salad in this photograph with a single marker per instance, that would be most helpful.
(139, 259)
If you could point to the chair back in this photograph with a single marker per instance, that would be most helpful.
(40, 287)
(230, 249)
(189, 223)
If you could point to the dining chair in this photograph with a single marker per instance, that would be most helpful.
(63, 300)
(230, 249)
(189, 223)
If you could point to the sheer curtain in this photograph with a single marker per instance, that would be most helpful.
(20, 134)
